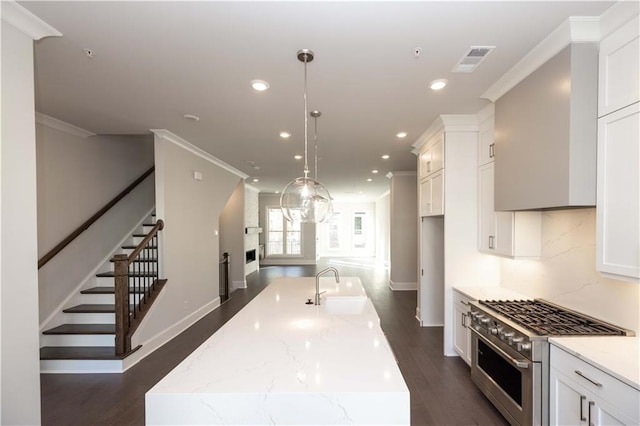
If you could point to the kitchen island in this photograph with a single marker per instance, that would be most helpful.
(281, 361)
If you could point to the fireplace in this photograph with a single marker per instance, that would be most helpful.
(250, 255)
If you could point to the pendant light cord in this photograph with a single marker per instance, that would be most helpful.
(315, 139)
(306, 165)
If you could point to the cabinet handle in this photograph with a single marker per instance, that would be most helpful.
(591, 404)
(464, 303)
(491, 241)
(428, 166)
(464, 324)
(582, 399)
(579, 373)
(492, 150)
(429, 207)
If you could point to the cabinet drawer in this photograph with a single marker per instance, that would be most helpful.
(620, 395)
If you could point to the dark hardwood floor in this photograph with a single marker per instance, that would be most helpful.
(441, 390)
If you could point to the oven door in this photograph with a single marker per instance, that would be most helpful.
(510, 382)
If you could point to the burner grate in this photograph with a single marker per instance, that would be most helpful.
(546, 319)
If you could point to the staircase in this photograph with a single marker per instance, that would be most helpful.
(84, 337)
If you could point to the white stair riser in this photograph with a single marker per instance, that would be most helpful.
(77, 340)
(138, 240)
(62, 366)
(110, 282)
(106, 299)
(88, 318)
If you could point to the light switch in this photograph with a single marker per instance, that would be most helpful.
(197, 175)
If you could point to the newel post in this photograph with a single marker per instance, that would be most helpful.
(121, 273)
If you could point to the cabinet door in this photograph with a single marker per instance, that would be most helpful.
(425, 197)
(568, 403)
(437, 155)
(437, 194)
(619, 73)
(504, 233)
(487, 216)
(602, 413)
(486, 148)
(618, 200)
(461, 334)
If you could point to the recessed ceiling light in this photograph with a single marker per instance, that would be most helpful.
(369, 179)
(191, 117)
(277, 192)
(259, 85)
(298, 157)
(438, 84)
(285, 135)
(374, 171)
(256, 180)
(385, 157)
(402, 135)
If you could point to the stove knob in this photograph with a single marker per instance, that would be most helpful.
(514, 340)
(494, 331)
(473, 314)
(484, 321)
(507, 335)
(523, 347)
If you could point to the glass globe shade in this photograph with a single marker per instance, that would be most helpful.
(305, 200)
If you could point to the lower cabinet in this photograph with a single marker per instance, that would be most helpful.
(462, 335)
(581, 394)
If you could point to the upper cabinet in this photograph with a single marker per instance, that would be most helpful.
(618, 202)
(431, 176)
(545, 135)
(619, 84)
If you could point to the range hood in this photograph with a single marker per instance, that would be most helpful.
(545, 135)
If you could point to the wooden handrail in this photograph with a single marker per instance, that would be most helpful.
(158, 227)
(58, 248)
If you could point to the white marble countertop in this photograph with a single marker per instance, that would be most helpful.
(280, 361)
(491, 293)
(617, 356)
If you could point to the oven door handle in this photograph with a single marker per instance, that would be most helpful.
(515, 362)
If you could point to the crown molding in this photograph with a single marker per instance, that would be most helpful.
(401, 173)
(177, 140)
(448, 123)
(63, 126)
(618, 15)
(576, 29)
(26, 22)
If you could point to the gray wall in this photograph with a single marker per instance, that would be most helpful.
(20, 369)
(308, 237)
(383, 221)
(232, 236)
(76, 177)
(404, 229)
(189, 244)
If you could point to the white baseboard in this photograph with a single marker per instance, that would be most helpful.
(80, 366)
(402, 286)
(149, 346)
(238, 284)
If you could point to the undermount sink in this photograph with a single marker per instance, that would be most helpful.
(344, 305)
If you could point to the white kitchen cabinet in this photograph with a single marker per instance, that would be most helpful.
(461, 334)
(581, 394)
(432, 195)
(510, 234)
(486, 149)
(619, 69)
(432, 159)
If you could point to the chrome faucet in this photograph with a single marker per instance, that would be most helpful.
(331, 269)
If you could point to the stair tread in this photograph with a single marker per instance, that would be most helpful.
(108, 290)
(148, 224)
(82, 352)
(150, 260)
(111, 274)
(82, 329)
(91, 308)
(129, 246)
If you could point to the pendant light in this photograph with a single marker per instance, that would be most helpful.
(315, 114)
(305, 199)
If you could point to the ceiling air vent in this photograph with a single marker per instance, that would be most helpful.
(472, 58)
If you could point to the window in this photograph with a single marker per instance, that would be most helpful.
(358, 230)
(334, 231)
(283, 237)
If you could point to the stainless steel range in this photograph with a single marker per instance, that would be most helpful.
(510, 352)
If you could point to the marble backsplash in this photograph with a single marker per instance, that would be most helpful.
(566, 272)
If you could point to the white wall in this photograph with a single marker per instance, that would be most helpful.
(566, 272)
(308, 236)
(404, 230)
(251, 219)
(232, 236)
(189, 245)
(383, 230)
(20, 370)
(76, 177)
(347, 249)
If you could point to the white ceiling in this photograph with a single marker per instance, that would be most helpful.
(156, 61)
